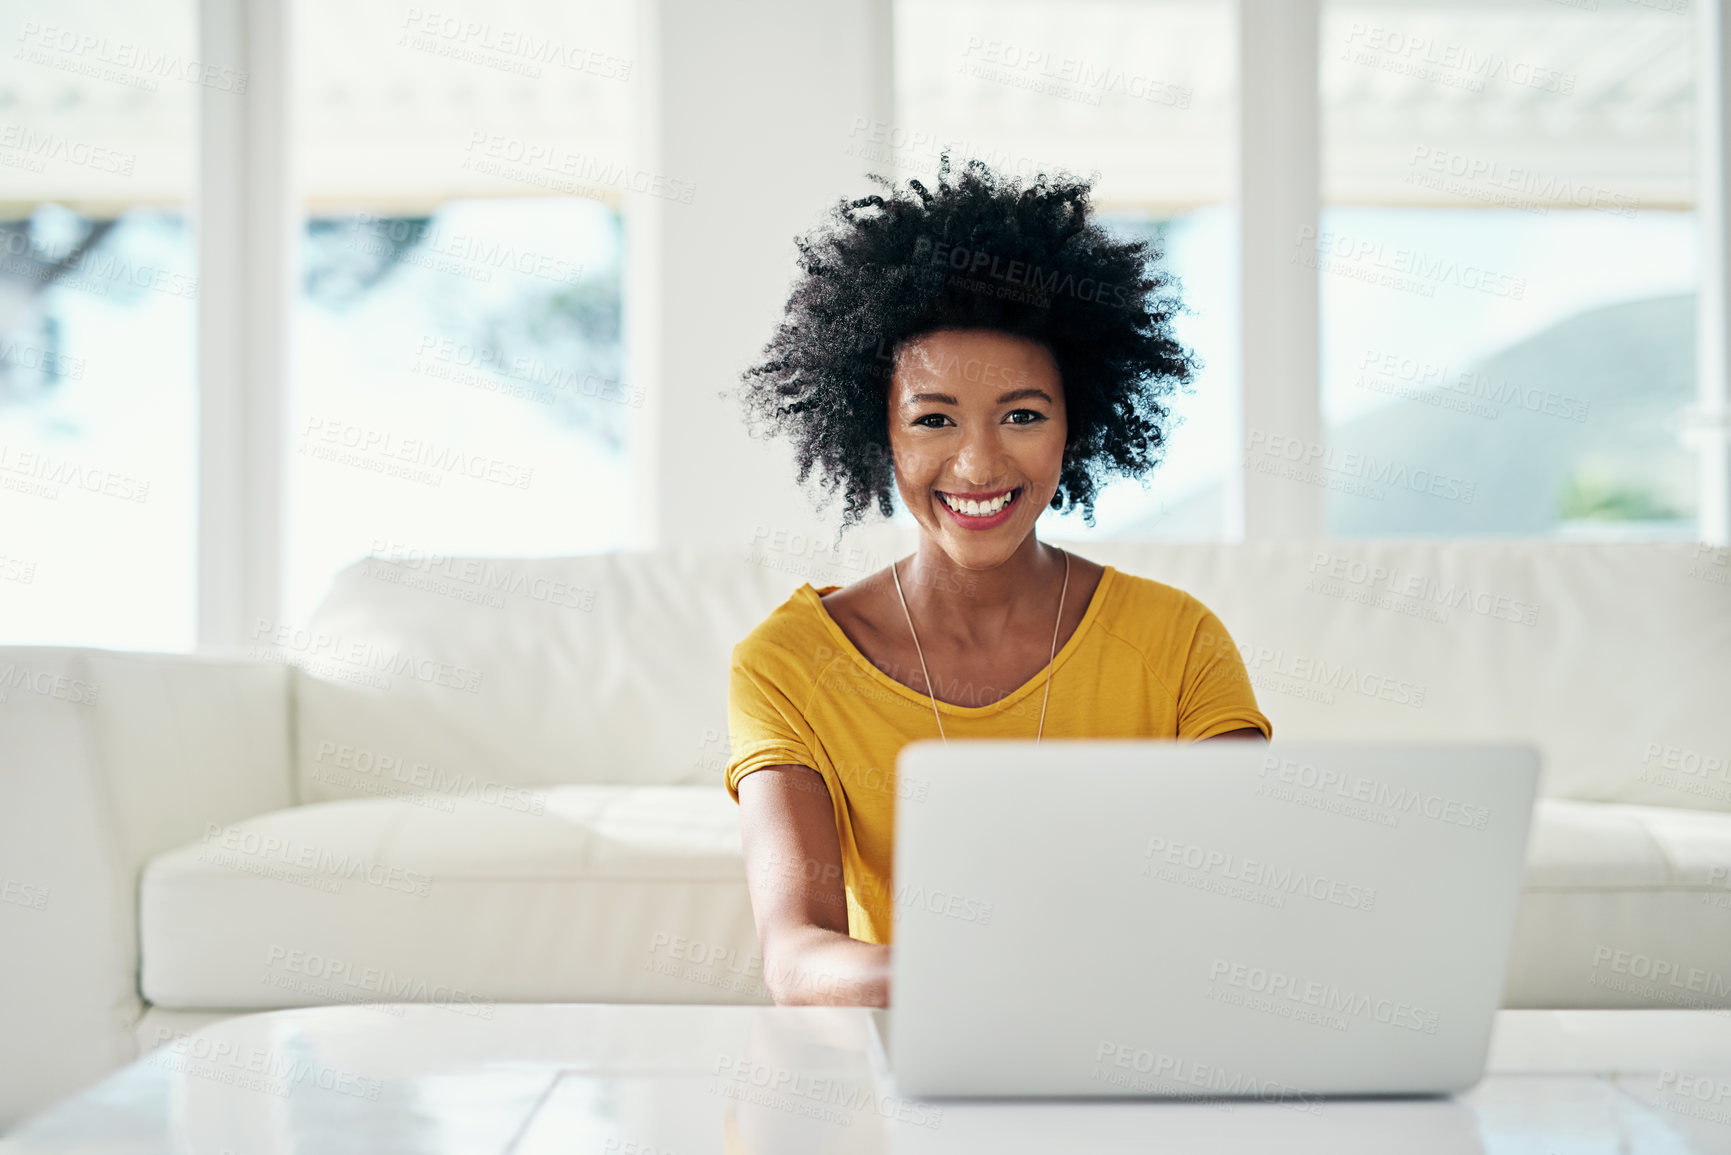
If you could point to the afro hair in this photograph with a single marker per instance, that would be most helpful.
(977, 251)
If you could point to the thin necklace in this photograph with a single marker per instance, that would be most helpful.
(1048, 695)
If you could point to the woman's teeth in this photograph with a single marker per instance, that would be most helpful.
(978, 508)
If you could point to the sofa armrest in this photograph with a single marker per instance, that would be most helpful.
(107, 759)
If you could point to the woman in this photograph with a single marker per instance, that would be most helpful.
(990, 352)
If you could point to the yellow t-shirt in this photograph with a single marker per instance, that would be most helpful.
(1147, 661)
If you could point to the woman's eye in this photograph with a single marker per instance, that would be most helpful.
(930, 417)
(1033, 414)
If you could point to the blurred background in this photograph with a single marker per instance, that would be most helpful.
(286, 284)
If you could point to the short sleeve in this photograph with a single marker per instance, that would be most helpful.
(1216, 695)
(765, 727)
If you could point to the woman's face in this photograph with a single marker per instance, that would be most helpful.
(975, 414)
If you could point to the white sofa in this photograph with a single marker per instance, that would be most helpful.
(501, 780)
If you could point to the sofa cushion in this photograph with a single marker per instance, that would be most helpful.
(637, 894)
(456, 675)
(1624, 906)
(574, 894)
(461, 674)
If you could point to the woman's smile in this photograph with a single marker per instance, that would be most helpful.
(980, 511)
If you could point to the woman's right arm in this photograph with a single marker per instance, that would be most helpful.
(793, 869)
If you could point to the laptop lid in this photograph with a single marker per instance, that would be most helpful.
(1133, 918)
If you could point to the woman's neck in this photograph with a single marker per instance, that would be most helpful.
(980, 606)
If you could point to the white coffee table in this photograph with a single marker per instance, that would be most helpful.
(682, 1080)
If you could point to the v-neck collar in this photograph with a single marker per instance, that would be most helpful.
(815, 598)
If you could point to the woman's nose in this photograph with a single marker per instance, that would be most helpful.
(978, 459)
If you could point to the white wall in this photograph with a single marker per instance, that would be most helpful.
(757, 102)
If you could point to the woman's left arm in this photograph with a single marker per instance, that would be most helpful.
(1246, 732)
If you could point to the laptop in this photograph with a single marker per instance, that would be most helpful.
(1219, 920)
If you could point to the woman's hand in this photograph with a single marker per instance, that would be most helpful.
(793, 870)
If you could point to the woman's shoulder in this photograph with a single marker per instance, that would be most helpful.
(1156, 617)
(793, 638)
(1136, 597)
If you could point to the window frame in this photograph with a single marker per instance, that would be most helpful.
(248, 214)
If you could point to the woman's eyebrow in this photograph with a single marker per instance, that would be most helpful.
(947, 399)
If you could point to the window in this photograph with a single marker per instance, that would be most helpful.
(1507, 268)
(98, 304)
(459, 387)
